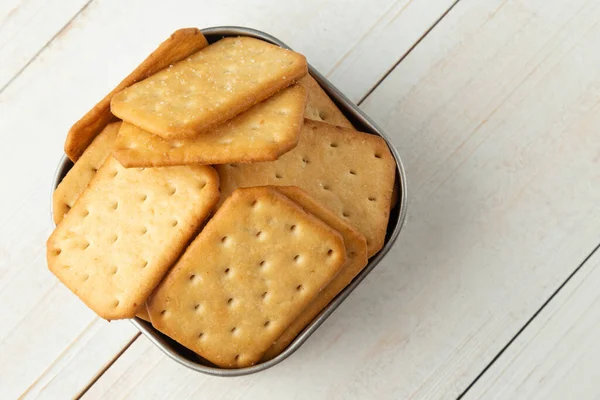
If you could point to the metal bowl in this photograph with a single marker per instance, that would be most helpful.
(363, 123)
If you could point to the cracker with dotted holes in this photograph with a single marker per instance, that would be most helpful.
(209, 87)
(356, 260)
(181, 44)
(77, 179)
(320, 107)
(350, 172)
(262, 133)
(254, 267)
(126, 230)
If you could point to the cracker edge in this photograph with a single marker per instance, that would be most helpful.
(58, 196)
(349, 134)
(380, 144)
(142, 313)
(181, 44)
(130, 159)
(345, 276)
(155, 309)
(316, 91)
(131, 313)
(182, 132)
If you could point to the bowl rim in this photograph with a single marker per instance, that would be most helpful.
(365, 121)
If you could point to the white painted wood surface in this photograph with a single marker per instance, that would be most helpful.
(26, 26)
(493, 124)
(50, 344)
(556, 357)
(495, 113)
(378, 51)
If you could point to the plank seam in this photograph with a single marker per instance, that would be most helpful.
(37, 54)
(529, 321)
(106, 367)
(414, 45)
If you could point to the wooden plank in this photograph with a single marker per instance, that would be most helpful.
(556, 356)
(139, 367)
(49, 341)
(496, 114)
(400, 28)
(51, 338)
(83, 358)
(26, 27)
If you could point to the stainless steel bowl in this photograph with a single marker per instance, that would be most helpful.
(363, 123)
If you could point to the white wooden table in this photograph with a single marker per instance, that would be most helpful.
(492, 290)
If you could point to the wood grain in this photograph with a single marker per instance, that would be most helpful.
(83, 360)
(27, 26)
(387, 42)
(495, 113)
(49, 342)
(556, 357)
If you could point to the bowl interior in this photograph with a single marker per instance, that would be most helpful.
(362, 123)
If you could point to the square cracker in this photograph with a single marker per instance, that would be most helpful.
(178, 46)
(254, 267)
(356, 259)
(209, 87)
(350, 172)
(126, 230)
(262, 133)
(320, 107)
(77, 179)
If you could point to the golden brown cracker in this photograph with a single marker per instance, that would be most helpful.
(178, 46)
(254, 267)
(142, 313)
(350, 172)
(82, 172)
(356, 259)
(209, 87)
(320, 107)
(262, 133)
(126, 230)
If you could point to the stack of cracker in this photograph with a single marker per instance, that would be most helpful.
(218, 193)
